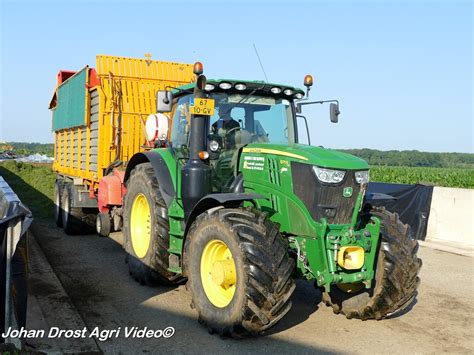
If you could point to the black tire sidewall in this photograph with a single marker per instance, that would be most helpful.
(353, 304)
(103, 220)
(58, 219)
(204, 233)
(132, 192)
(66, 201)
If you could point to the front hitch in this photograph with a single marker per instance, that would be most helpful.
(342, 247)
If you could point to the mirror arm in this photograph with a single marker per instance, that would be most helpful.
(299, 104)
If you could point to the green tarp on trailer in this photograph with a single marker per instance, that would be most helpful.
(70, 110)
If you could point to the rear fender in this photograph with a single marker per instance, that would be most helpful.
(161, 170)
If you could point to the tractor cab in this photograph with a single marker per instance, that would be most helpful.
(243, 113)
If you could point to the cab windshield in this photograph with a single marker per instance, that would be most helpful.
(238, 120)
(252, 119)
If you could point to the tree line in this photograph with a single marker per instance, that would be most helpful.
(21, 148)
(412, 158)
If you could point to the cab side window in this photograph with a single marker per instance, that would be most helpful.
(181, 126)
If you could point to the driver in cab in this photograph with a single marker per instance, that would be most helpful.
(226, 125)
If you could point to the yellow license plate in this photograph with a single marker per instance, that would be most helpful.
(202, 107)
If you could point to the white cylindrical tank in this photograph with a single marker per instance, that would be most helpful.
(156, 127)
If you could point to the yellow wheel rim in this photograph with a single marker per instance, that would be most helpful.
(218, 275)
(351, 287)
(140, 225)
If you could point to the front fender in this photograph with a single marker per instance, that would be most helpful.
(231, 200)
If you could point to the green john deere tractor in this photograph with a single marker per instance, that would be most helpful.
(233, 204)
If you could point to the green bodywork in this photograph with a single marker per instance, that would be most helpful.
(267, 171)
(315, 243)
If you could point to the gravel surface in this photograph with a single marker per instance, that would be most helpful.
(94, 275)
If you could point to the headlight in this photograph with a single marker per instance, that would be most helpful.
(213, 146)
(240, 87)
(288, 92)
(329, 175)
(362, 177)
(225, 86)
(275, 90)
(209, 87)
(299, 96)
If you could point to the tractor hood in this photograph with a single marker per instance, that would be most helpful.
(319, 156)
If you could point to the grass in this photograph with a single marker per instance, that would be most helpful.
(33, 183)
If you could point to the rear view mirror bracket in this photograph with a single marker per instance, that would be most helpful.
(333, 108)
(164, 101)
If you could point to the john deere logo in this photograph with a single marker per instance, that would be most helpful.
(347, 192)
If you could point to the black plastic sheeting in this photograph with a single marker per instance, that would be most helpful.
(411, 202)
(12, 210)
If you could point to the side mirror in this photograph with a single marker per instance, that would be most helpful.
(164, 101)
(334, 112)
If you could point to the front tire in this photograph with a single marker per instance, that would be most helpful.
(396, 275)
(239, 271)
(146, 228)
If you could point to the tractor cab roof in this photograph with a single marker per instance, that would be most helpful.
(245, 87)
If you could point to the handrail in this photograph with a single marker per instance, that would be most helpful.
(15, 219)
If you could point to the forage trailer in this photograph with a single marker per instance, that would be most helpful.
(101, 118)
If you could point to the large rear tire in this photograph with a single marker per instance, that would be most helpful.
(239, 271)
(396, 275)
(74, 219)
(146, 228)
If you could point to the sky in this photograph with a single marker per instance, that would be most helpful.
(402, 70)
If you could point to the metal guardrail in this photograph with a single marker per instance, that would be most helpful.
(15, 219)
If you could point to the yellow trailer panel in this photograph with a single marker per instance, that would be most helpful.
(119, 95)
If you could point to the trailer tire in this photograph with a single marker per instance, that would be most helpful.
(103, 224)
(58, 218)
(74, 219)
(253, 294)
(396, 275)
(147, 252)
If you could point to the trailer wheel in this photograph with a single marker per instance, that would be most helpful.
(396, 275)
(146, 228)
(103, 224)
(239, 271)
(74, 220)
(58, 218)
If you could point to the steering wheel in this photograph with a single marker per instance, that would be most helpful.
(231, 130)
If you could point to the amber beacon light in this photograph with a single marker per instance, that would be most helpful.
(198, 69)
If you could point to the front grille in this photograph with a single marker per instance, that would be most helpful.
(324, 200)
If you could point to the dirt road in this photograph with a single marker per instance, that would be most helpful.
(94, 275)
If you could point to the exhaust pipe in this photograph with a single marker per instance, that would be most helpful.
(196, 173)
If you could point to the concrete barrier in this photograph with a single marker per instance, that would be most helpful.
(452, 217)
